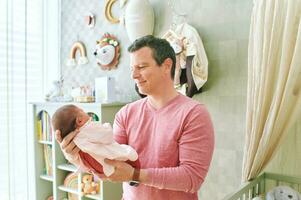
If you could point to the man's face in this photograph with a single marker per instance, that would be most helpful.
(147, 74)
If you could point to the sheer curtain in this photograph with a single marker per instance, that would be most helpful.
(274, 80)
(21, 81)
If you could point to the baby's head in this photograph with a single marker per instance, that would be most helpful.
(68, 118)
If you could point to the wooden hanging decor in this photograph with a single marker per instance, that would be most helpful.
(108, 12)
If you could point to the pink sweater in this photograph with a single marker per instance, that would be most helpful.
(174, 143)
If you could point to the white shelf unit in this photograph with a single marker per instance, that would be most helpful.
(53, 184)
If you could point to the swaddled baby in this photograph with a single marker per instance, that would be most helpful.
(95, 140)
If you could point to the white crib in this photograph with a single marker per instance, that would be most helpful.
(262, 184)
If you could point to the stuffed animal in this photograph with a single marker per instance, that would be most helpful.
(56, 92)
(88, 185)
(283, 193)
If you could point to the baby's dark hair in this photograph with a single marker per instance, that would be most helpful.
(64, 119)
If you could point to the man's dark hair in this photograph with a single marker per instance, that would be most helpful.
(64, 119)
(161, 50)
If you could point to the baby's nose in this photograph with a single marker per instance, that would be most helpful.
(290, 196)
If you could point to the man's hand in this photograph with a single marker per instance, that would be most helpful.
(123, 171)
(67, 145)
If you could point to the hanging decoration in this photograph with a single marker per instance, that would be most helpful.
(77, 46)
(191, 71)
(108, 12)
(90, 20)
(107, 52)
(138, 17)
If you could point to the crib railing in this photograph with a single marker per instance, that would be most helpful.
(263, 183)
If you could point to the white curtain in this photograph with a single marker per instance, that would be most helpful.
(274, 80)
(21, 81)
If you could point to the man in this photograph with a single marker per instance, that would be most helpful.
(172, 134)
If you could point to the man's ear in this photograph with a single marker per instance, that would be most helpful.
(168, 64)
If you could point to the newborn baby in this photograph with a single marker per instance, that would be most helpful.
(95, 140)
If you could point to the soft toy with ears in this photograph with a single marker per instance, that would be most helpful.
(283, 193)
(88, 185)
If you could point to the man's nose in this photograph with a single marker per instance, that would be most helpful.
(135, 74)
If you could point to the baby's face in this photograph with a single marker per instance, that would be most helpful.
(82, 116)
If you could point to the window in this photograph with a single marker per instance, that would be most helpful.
(21, 81)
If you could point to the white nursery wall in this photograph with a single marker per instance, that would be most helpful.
(224, 28)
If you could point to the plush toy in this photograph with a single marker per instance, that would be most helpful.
(56, 92)
(283, 193)
(88, 185)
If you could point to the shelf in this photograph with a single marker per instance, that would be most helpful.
(67, 167)
(45, 142)
(93, 196)
(67, 189)
(74, 191)
(50, 158)
(47, 178)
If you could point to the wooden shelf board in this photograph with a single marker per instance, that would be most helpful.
(68, 189)
(45, 142)
(67, 167)
(46, 177)
(95, 196)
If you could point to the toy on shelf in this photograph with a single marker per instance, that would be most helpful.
(93, 116)
(50, 198)
(71, 181)
(88, 185)
(83, 94)
(56, 93)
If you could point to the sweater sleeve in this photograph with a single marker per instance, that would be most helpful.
(119, 128)
(196, 145)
